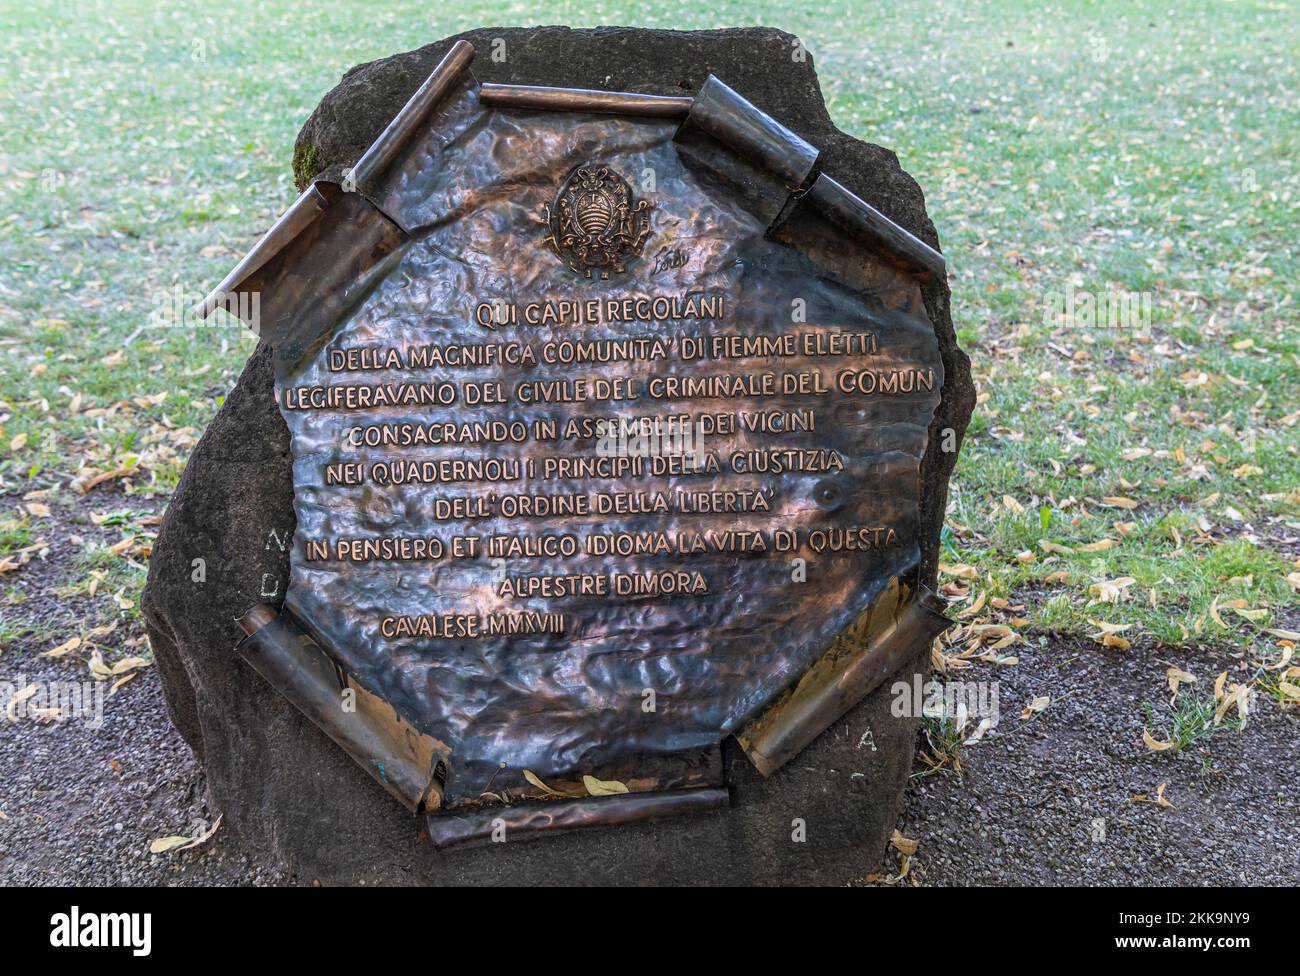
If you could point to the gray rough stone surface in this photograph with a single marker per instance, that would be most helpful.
(286, 790)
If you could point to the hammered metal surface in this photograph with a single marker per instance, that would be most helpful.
(473, 193)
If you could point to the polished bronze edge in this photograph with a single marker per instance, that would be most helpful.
(824, 696)
(304, 211)
(385, 148)
(529, 820)
(584, 100)
(255, 618)
(851, 213)
(742, 126)
(397, 756)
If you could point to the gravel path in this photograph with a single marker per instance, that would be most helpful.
(1049, 801)
(83, 804)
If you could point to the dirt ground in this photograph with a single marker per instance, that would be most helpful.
(1049, 800)
(1042, 801)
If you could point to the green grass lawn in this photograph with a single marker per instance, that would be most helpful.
(1104, 148)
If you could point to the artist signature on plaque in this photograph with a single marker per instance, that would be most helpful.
(596, 225)
(670, 259)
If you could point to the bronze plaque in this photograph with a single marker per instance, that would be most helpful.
(607, 417)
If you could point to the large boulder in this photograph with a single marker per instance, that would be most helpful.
(290, 793)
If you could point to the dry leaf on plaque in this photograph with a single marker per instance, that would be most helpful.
(1155, 744)
(904, 845)
(1037, 705)
(603, 787)
(537, 781)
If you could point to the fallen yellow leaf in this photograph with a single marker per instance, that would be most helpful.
(1154, 743)
(161, 845)
(603, 787)
(1037, 705)
(904, 845)
(129, 664)
(974, 608)
(11, 710)
(1119, 501)
(64, 648)
(537, 781)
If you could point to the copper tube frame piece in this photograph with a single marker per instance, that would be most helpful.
(751, 133)
(859, 219)
(413, 114)
(317, 198)
(529, 820)
(585, 100)
(397, 756)
(301, 214)
(835, 684)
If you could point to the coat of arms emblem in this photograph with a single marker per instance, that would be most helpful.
(595, 224)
